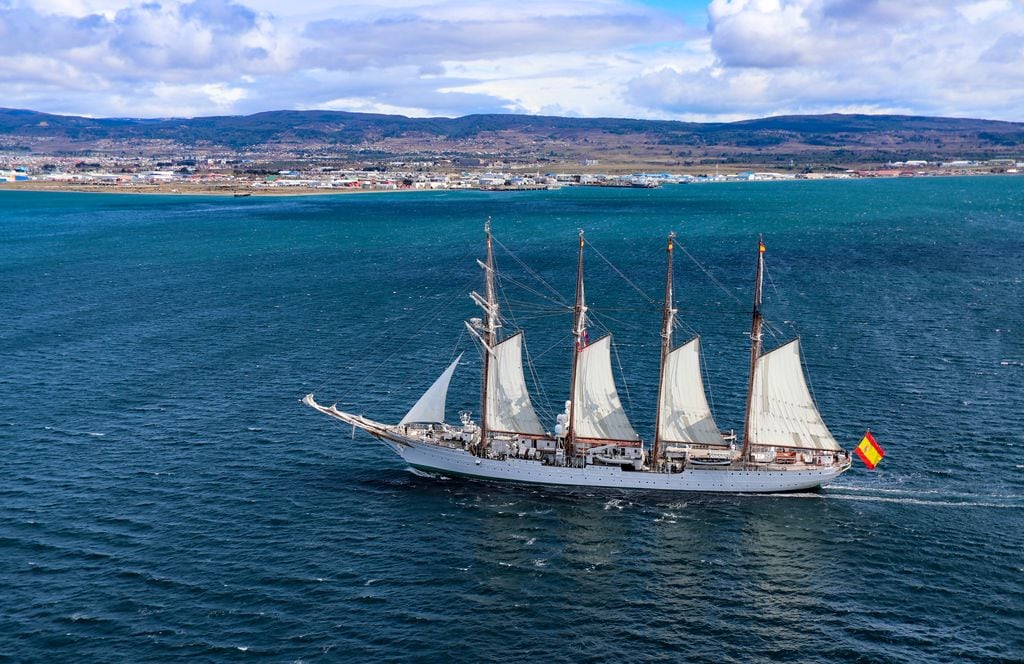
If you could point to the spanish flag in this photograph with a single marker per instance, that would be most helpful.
(869, 451)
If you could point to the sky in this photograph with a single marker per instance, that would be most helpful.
(696, 60)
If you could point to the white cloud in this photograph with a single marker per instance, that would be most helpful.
(572, 57)
(359, 105)
(813, 56)
(402, 39)
(976, 12)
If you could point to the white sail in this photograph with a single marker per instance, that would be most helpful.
(508, 400)
(684, 415)
(597, 411)
(782, 412)
(430, 407)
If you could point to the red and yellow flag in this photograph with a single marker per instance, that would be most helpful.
(869, 451)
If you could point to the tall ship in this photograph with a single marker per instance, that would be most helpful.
(785, 444)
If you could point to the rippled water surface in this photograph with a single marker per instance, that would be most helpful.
(164, 495)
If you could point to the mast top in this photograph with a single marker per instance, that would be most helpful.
(487, 225)
(580, 322)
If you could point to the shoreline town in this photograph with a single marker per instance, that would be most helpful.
(234, 177)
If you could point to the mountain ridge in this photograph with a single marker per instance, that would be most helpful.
(844, 137)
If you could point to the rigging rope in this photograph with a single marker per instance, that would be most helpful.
(622, 375)
(679, 324)
(707, 273)
(773, 329)
(810, 385)
(501, 288)
(624, 277)
(547, 315)
(458, 342)
(596, 318)
(707, 386)
(531, 290)
(530, 271)
(544, 407)
(615, 348)
(783, 301)
(404, 343)
(558, 344)
(523, 304)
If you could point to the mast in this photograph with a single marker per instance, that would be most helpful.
(488, 326)
(489, 304)
(667, 320)
(755, 345)
(579, 333)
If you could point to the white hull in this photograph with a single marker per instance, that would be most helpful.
(449, 461)
(453, 461)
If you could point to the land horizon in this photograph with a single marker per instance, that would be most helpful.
(201, 189)
(796, 141)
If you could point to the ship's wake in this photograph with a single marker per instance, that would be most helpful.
(928, 498)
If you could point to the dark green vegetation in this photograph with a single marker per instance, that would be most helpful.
(820, 139)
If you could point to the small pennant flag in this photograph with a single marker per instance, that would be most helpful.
(583, 341)
(869, 451)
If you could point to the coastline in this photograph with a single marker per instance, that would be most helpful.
(184, 189)
(187, 188)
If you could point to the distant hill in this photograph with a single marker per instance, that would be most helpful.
(524, 138)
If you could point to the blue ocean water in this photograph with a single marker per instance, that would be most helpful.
(164, 495)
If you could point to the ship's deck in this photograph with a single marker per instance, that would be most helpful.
(451, 439)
